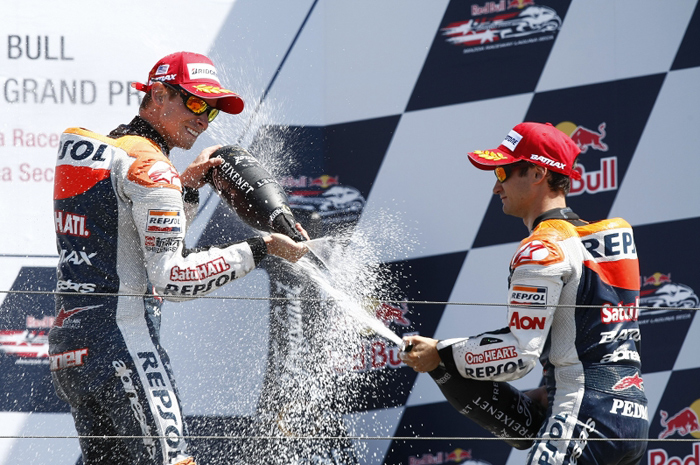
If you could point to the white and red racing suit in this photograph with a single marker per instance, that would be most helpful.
(573, 297)
(120, 225)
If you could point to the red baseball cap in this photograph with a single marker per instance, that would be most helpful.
(197, 75)
(538, 143)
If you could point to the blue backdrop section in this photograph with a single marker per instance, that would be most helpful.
(688, 56)
(25, 320)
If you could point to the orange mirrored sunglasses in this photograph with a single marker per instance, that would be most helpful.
(195, 104)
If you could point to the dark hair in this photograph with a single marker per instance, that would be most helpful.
(555, 181)
(147, 98)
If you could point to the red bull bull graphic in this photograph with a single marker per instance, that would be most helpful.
(686, 422)
(592, 182)
(586, 138)
(389, 313)
(583, 137)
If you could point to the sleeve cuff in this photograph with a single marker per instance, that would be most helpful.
(259, 248)
(448, 359)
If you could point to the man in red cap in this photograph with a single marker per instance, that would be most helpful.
(572, 304)
(121, 210)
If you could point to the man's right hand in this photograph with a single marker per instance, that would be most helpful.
(424, 356)
(284, 247)
(194, 175)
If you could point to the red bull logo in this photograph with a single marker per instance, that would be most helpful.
(586, 138)
(657, 279)
(390, 313)
(583, 137)
(591, 182)
(376, 355)
(520, 4)
(324, 181)
(456, 456)
(684, 422)
(660, 457)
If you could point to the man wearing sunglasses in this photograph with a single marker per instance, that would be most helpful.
(121, 211)
(572, 304)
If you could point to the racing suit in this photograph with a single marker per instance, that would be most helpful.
(573, 292)
(120, 224)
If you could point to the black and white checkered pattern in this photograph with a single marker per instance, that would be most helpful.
(389, 97)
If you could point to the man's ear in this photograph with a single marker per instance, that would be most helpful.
(159, 93)
(540, 173)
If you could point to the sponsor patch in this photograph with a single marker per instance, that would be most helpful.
(161, 244)
(64, 314)
(619, 314)
(200, 272)
(548, 161)
(621, 354)
(195, 289)
(627, 408)
(489, 371)
(526, 322)
(201, 71)
(164, 173)
(512, 140)
(68, 285)
(76, 257)
(491, 355)
(162, 69)
(70, 359)
(537, 252)
(528, 295)
(163, 221)
(70, 224)
(629, 382)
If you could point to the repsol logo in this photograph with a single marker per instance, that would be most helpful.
(526, 322)
(81, 150)
(547, 452)
(619, 244)
(196, 289)
(495, 370)
(165, 402)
